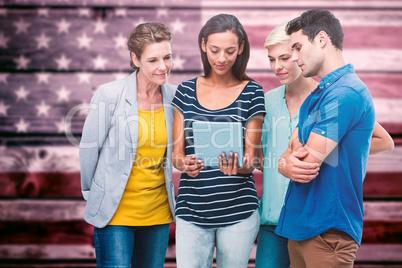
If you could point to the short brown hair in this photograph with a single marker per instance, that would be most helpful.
(145, 34)
(311, 22)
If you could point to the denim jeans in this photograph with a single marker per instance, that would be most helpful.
(195, 244)
(140, 246)
(272, 249)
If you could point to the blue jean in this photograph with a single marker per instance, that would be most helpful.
(272, 249)
(195, 244)
(140, 246)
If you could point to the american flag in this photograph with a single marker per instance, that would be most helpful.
(55, 53)
(54, 58)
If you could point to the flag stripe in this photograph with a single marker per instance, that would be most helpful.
(72, 210)
(377, 185)
(384, 36)
(103, 3)
(83, 84)
(85, 45)
(366, 253)
(86, 50)
(364, 60)
(47, 252)
(215, 4)
(381, 85)
(40, 184)
(349, 17)
(259, 4)
(52, 159)
(380, 253)
(41, 210)
(80, 233)
(46, 232)
(67, 111)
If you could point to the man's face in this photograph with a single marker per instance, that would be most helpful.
(306, 54)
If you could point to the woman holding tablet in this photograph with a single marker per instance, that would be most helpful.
(217, 206)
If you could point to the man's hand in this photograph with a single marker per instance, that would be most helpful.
(292, 167)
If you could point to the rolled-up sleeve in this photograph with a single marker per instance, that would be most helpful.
(338, 113)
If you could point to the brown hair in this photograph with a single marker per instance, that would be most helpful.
(145, 34)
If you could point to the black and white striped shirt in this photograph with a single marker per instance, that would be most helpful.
(214, 199)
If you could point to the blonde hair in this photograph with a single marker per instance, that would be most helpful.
(277, 35)
(145, 34)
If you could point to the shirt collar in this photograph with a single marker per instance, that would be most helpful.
(331, 78)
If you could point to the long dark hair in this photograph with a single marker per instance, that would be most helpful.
(219, 24)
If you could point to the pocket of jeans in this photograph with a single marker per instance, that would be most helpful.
(347, 242)
(329, 239)
(95, 198)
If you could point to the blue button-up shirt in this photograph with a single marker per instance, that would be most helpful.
(340, 109)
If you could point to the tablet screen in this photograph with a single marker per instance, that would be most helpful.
(211, 139)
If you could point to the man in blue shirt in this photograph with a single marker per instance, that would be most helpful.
(323, 211)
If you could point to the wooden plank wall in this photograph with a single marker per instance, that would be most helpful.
(53, 56)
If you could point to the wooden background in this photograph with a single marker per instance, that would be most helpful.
(55, 53)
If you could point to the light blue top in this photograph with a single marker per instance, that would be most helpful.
(340, 109)
(277, 130)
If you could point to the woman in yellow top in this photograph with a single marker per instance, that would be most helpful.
(125, 151)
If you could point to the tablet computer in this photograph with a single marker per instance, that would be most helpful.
(211, 139)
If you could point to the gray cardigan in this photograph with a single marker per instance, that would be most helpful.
(108, 146)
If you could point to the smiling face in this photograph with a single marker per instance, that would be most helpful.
(155, 63)
(222, 50)
(281, 63)
(306, 54)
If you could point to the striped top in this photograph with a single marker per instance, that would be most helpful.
(214, 199)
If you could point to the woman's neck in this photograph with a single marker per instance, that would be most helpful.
(296, 92)
(221, 81)
(300, 87)
(146, 87)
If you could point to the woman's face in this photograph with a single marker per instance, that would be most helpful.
(285, 69)
(156, 62)
(222, 50)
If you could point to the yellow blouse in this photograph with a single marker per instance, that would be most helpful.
(144, 201)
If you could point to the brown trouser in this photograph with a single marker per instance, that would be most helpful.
(330, 249)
